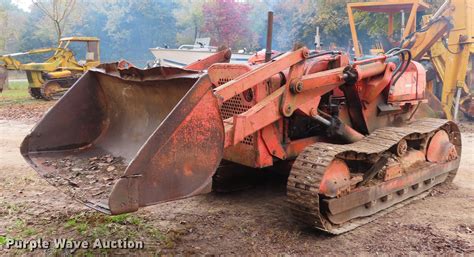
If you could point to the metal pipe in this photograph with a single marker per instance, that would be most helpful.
(440, 10)
(322, 120)
(370, 70)
(456, 106)
(339, 129)
(317, 39)
(268, 49)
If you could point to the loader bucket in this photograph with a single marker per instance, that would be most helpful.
(122, 139)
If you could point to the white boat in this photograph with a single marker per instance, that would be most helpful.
(186, 54)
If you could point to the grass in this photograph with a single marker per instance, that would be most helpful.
(3, 240)
(22, 228)
(93, 226)
(18, 85)
(17, 93)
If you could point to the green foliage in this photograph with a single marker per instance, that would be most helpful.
(3, 240)
(132, 27)
(189, 20)
(127, 29)
(12, 23)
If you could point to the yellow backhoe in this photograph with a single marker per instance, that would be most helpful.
(51, 78)
(445, 42)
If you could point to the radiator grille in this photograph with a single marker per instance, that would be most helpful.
(233, 106)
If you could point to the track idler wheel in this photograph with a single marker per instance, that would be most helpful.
(440, 149)
(336, 180)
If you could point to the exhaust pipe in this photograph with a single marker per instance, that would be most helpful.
(268, 49)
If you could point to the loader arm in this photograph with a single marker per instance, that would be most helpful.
(452, 69)
(12, 63)
(300, 93)
(62, 59)
(421, 41)
(448, 38)
(270, 109)
(222, 56)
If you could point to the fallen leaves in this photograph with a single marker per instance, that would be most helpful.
(86, 179)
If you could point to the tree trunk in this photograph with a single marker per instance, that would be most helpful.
(58, 30)
(3, 79)
(196, 31)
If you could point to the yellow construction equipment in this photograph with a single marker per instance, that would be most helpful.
(54, 76)
(390, 8)
(446, 39)
(452, 57)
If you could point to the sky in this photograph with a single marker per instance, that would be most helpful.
(23, 4)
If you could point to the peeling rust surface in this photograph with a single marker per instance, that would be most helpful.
(163, 124)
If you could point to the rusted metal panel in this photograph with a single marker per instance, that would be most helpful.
(180, 157)
(222, 56)
(440, 149)
(411, 86)
(272, 142)
(345, 203)
(377, 85)
(265, 71)
(336, 180)
(145, 117)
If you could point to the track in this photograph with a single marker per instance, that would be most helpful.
(363, 204)
(55, 88)
(52, 89)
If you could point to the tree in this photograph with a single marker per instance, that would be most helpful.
(227, 22)
(12, 24)
(189, 20)
(3, 27)
(298, 22)
(58, 11)
(258, 24)
(132, 27)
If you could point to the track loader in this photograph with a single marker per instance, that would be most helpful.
(50, 79)
(122, 139)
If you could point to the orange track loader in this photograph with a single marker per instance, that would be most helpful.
(121, 139)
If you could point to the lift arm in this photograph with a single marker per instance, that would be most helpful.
(421, 41)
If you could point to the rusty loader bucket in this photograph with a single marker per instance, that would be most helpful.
(122, 139)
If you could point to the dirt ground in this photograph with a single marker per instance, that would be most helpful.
(255, 221)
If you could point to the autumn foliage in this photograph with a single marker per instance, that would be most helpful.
(227, 22)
